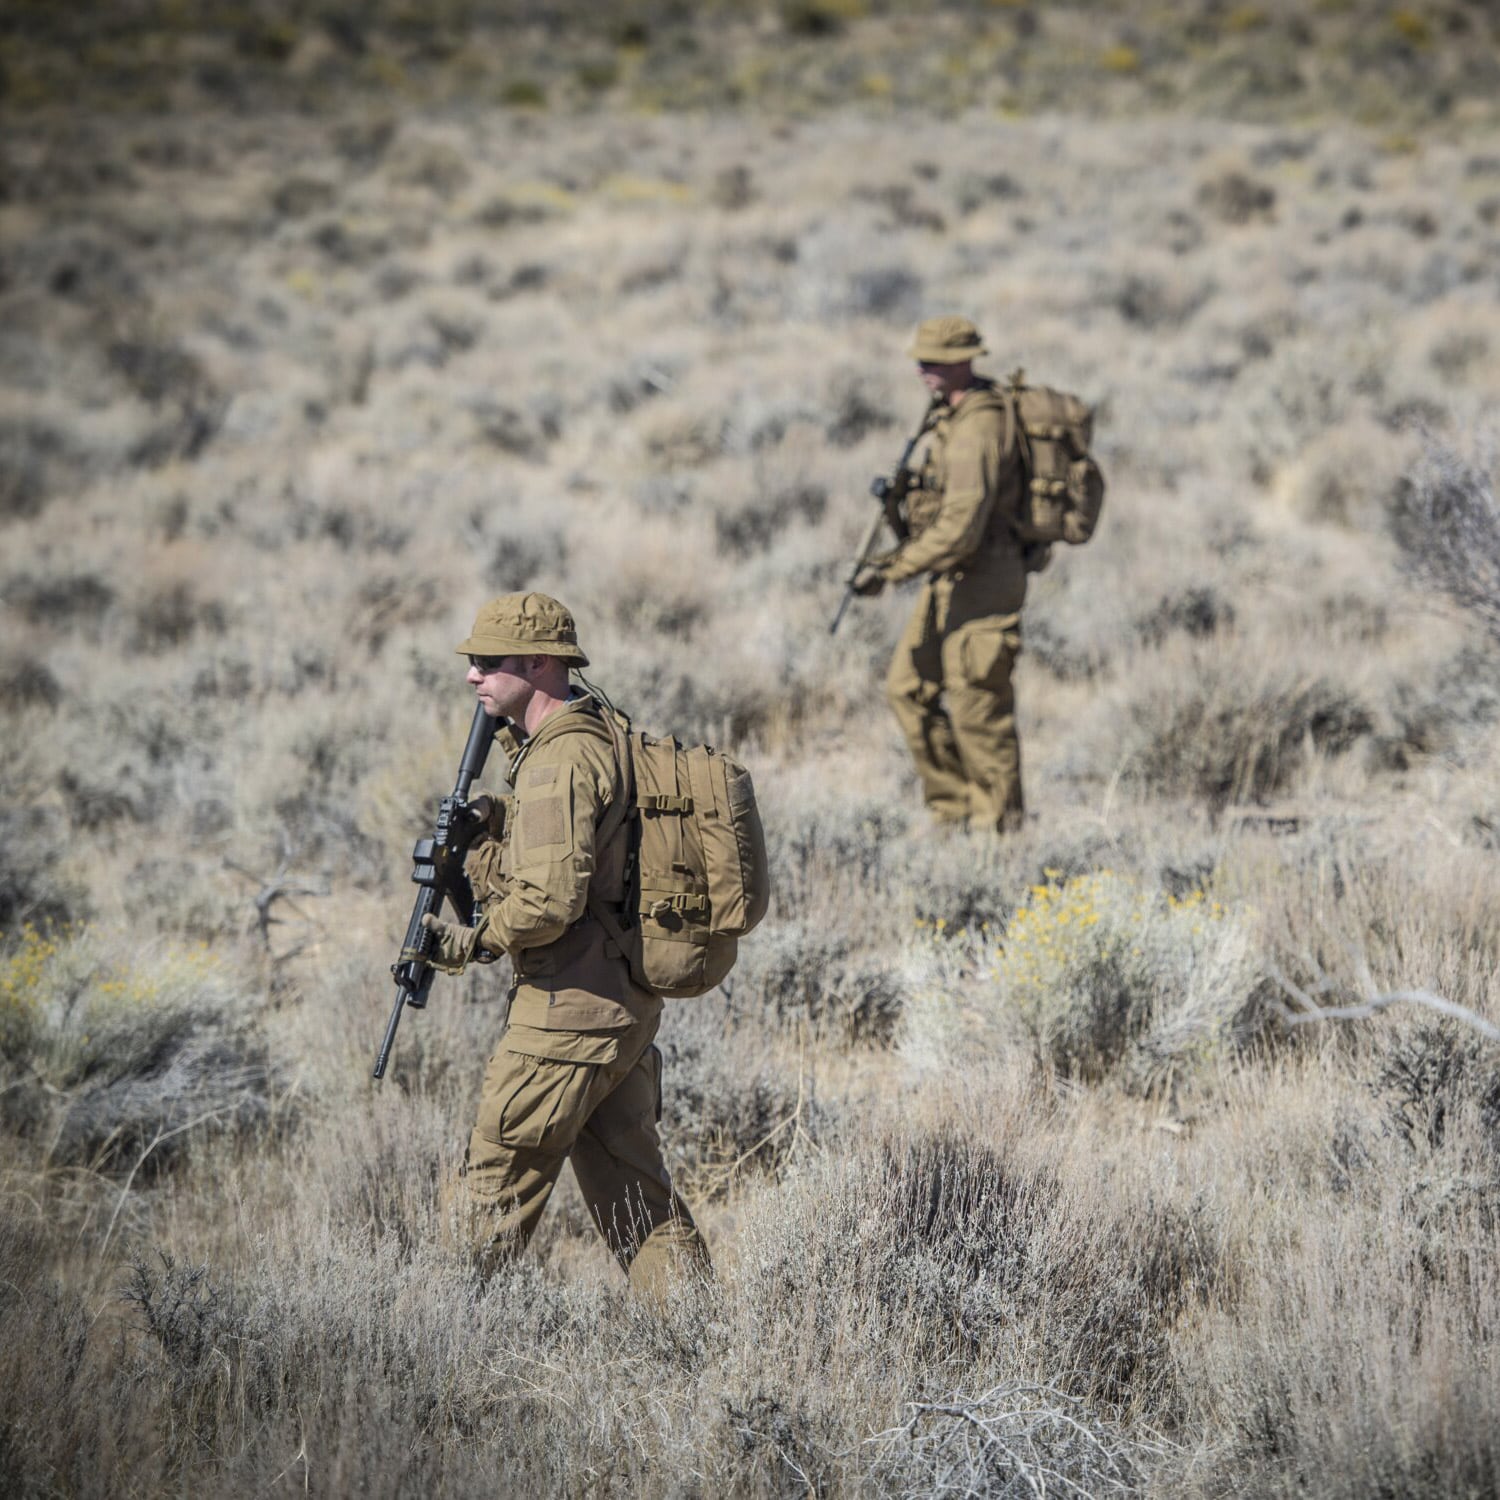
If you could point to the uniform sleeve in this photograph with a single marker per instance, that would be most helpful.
(976, 463)
(561, 793)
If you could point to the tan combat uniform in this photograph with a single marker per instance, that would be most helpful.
(949, 682)
(576, 1075)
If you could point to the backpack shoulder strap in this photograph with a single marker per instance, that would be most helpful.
(1015, 428)
(619, 809)
(612, 821)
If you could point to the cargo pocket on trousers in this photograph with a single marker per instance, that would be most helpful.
(541, 1108)
(988, 654)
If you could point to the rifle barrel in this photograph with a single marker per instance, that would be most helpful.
(476, 751)
(390, 1034)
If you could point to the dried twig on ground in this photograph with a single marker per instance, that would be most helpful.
(1017, 1439)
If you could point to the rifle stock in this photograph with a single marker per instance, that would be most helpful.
(437, 867)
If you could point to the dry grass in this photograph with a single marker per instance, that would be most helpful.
(996, 1199)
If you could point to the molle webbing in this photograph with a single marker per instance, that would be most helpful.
(1063, 490)
(698, 875)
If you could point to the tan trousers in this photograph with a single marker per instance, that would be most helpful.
(949, 684)
(596, 1105)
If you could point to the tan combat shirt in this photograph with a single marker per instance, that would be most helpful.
(535, 883)
(975, 480)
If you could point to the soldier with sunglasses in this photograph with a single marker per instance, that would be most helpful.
(576, 1076)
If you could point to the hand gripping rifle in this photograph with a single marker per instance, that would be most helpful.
(891, 492)
(438, 868)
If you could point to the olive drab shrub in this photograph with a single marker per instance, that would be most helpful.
(1063, 488)
(699, 875)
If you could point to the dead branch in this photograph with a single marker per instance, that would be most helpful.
(1373, 1003)
(276, 888)
(1018, 1439)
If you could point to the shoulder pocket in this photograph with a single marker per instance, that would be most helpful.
(544, 813)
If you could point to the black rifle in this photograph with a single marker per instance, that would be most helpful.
(438, 868)
(891, 492)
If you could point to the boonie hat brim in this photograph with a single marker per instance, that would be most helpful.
(946, 354)
(501, 645)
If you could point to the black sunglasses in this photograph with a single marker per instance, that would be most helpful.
(487, 664)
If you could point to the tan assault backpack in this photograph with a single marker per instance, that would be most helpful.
(1063, 489)
(699, 875)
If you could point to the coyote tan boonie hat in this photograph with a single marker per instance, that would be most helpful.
(946, 341)
(524, 625)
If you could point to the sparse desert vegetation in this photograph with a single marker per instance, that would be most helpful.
(1025, 1163)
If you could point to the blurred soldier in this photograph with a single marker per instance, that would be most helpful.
(950, 679)
(575, 1076)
